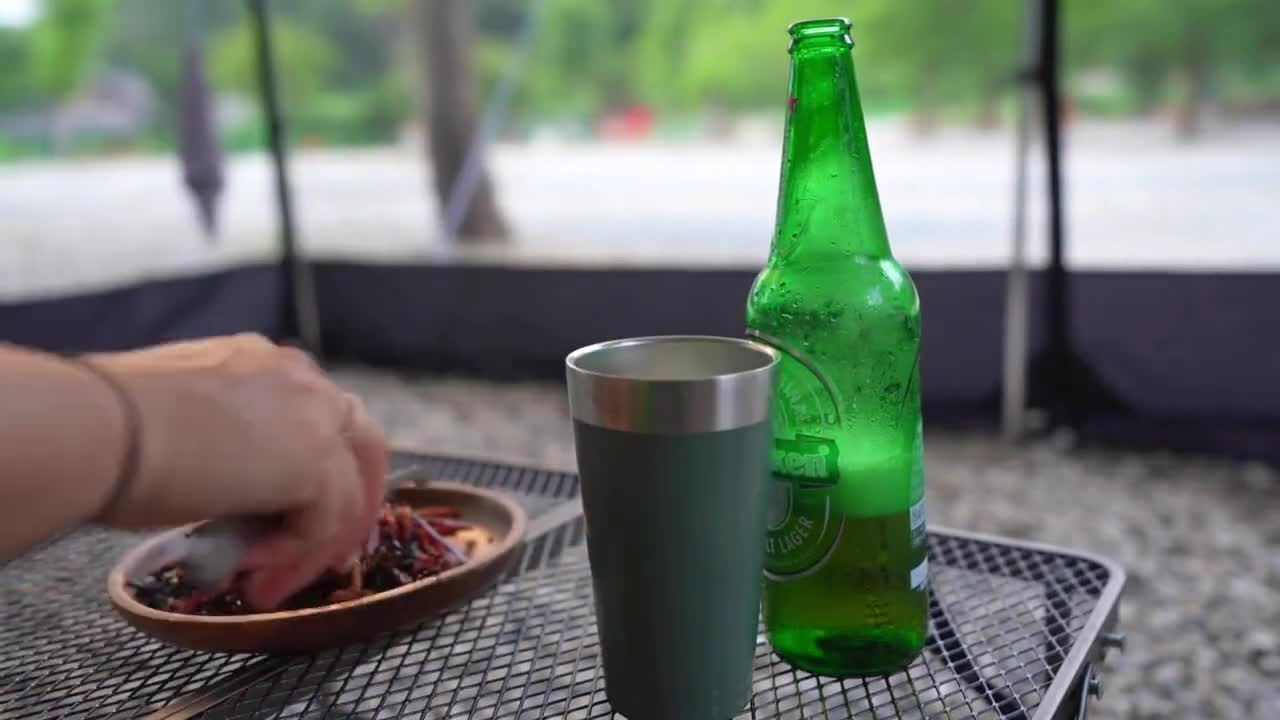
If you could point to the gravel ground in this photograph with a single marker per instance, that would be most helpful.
(1200, 538)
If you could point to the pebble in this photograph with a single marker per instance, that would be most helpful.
(1265, 703)
(1168, 672)
(1200, 537)
(1258, 476)
(1262, 649)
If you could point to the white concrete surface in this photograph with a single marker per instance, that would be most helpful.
(1136, 199)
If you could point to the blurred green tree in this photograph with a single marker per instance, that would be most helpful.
(571, 63)
(306, 61)
(732, 52)
(1180, 53)
(940, 55)
(148, 37)
(65, 43)
(17, 88)
(348, 66)
(358, 29)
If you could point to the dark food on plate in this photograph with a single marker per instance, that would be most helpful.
(411, 546)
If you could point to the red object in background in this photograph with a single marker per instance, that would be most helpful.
(632, 123)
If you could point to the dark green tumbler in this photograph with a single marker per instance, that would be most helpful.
(673, 440)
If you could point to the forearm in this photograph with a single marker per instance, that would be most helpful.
(62, 442)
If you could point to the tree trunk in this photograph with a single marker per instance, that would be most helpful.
(1147, 76)
(988, 116)
(924, 111)
(444, 38)
(1195, 69)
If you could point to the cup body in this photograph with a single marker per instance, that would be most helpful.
(672, 437)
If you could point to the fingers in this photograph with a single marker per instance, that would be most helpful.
(312, 540)
(266, 589)
(333, 525)
(240, 425)
(368, 446)
(298, 357)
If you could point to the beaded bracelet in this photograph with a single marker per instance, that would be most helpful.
(129, 465)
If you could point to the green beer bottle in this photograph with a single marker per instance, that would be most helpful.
(846, 573)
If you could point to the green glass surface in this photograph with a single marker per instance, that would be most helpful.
(845, 588)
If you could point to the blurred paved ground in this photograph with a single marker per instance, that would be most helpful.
(1200, 538)
(1136, 199)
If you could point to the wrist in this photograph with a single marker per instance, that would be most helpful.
(124, 480)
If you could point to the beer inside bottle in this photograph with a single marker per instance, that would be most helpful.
(846, 572)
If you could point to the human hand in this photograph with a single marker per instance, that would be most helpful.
(238, 425)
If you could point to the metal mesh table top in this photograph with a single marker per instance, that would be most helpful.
(1012, 627)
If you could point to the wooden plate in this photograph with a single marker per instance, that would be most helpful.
(502, 524)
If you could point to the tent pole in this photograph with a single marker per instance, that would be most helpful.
(1014, 387)
(300, 298)
(1057, 285)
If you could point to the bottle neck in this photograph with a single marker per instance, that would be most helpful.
(828, 205)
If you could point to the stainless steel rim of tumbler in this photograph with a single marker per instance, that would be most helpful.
(672, 384)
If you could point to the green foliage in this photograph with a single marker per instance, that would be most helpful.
(17, 87)
(344, 64)
(499, 18)
(574, 68)
(738, 57)
(489, 60)
(360, 100)
(379, 7)
(12, 149)
(942, 55)
(305, 60)
(659, 51)
(357, 34)
(733, 63)
(246, 137)
(64, 44)
(356, 117)
(681, 55)
(1155, 43)
(148, 37)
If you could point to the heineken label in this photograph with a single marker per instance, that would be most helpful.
(804, 524)
(920, 575)
(807, 459)
(916, 515)
(803, 531)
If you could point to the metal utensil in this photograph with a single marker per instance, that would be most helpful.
(214, 550)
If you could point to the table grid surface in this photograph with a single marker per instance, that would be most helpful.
(1003, 620)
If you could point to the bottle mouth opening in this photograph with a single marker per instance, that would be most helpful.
(835, 31)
